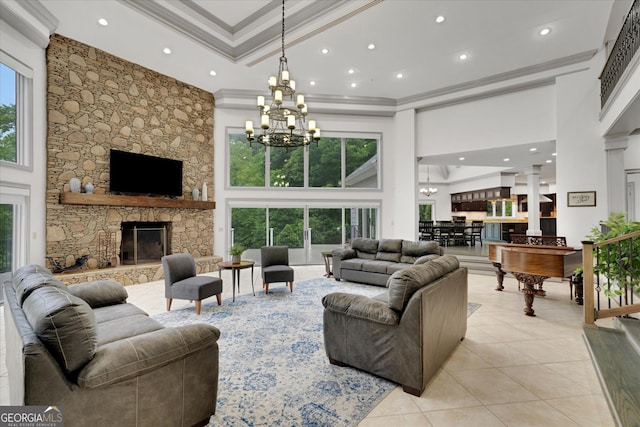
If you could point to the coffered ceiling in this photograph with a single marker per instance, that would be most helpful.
(234, 45)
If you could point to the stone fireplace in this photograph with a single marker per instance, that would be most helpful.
(144, 242)
(96, 102)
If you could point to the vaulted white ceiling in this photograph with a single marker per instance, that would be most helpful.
(241, 41)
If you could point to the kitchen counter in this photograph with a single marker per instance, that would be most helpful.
(506, 220)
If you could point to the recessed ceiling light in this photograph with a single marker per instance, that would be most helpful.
(103, 22)
(553, 154)
(353, 84)
(325, 51)
(371, 46)
(399, 75)
(440, 19)
(545, 31)
(351, 71)
(213, 73)
(533, 149)
(166, 50)
(463, 57)
(549, 161)
(543, 182)
(506, 159)
(312, 82)
(460, 158)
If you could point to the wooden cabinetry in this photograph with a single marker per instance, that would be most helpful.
(509, 228)
(476, 201)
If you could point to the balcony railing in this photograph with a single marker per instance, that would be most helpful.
(624, 49)
(610, 277)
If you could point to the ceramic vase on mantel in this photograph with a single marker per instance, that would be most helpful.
(74, 185)
(204, 191)
(196, 194)
(88, 188)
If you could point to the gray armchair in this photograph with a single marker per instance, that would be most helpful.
(275, 266)
(181, 281)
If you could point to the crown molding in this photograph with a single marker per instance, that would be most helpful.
(30, 18)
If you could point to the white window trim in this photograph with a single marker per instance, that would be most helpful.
(24, 113)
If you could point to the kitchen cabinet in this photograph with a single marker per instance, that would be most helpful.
(476, 201)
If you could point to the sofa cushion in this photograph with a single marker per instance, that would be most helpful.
(397, 266)
(65, 324)
(365, 248)
(127, 327)
(118, 311)
(425, 258)
(376, 266)
(353, 264)
(403, 284)
(100, 293)
(29, 279)
(390, 245)
(414, 250)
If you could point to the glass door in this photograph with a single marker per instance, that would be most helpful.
(307, 230)
(249, 230)
(287, 228)
(324, 232)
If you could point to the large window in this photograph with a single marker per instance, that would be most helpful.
(336, 162)
(8, 141)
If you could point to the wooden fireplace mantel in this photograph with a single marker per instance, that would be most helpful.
(68, 198)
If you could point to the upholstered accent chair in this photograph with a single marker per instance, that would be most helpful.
(275, 266)
(182, 282)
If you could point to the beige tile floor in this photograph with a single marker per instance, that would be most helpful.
(511, 370)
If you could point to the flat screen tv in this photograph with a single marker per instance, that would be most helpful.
(133, 173)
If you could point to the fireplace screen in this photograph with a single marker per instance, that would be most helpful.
(144, 242)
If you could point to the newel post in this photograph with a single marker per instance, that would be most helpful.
(587, 280)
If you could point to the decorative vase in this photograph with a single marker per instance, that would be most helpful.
(88, 188)
(235, 259)
(74, 185)
(196, 194)
(204, 191)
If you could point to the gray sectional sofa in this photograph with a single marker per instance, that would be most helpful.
(84, 349)
(373, 261)
(406, 333)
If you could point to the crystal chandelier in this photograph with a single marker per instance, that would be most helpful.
(283, 126)
(429, 190)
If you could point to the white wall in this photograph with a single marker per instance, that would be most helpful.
(30, 181)
(500, 121)
(581, 161)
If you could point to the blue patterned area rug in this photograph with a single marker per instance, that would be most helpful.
(273, 368)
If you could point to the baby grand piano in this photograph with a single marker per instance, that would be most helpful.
(532, 264)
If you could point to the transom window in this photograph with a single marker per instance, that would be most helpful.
(336, 162)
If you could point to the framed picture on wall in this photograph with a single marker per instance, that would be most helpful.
(581, 198)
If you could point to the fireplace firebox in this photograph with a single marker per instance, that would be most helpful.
(144, 242)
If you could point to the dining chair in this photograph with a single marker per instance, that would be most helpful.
(426, 231)
(476, 232)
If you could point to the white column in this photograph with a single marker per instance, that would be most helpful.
(533, 200)
(616, 175)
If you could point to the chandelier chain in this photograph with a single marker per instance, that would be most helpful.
(283, 28)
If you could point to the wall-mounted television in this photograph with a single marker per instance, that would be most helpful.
(133, 173)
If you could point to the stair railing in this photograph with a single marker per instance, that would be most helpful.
(610, 277)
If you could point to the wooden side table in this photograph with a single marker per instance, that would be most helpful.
(327, 257)
(235, 268)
